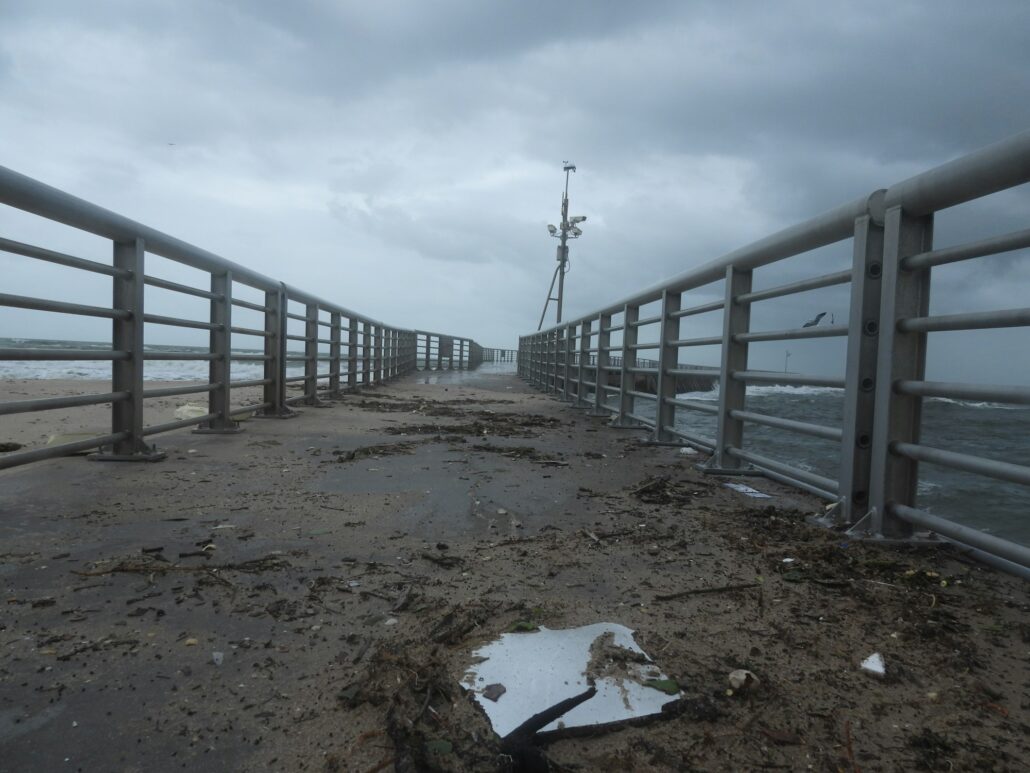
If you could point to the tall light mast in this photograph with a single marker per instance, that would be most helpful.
(569, 230)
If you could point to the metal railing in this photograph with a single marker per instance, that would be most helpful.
(500, 355)
(882, 384)
(340, 348)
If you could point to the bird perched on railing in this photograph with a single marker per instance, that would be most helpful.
(815, 320)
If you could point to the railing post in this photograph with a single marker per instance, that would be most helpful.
(583, 362)
(219, 399)
(732, 393)
(901, 355)
(398, 352)
(413, 356)
(352, 352)
(127, 375)
(366, 353)
(604, 342)
(275, 356)
(428, 364)
(668, 359)
(566, 393)
(559, 359)
(439, 352)
(395, 353)
(543, 353)
(860, 370)
(377, 367)
(551, 366)
(531, 359)
(311, 354)
(334, 353)
(627, 380)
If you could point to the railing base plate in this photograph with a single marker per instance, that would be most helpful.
(149, 455)
(219, 430)
(284, 414)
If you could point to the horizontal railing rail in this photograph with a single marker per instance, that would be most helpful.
(882, 384)
(336, 348)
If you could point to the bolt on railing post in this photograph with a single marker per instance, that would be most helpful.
(668, 359)
(219, 369)
(627, 379)
(583, 361)
(366, 353)
(860, 370)
(604, 342)
(127, 375)
(311, 354)
(901, 355)
(732, 393)
(334, 353)
(352, 352)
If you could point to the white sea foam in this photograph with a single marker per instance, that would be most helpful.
(770, 389)
(976, 404)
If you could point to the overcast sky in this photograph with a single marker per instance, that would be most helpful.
(404, 158)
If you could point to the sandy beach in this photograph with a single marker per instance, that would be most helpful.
(33, 430)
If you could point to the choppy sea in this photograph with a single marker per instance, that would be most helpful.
(990, 430)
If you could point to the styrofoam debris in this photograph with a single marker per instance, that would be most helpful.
(747, 491)
(874, 665)
(545, 667)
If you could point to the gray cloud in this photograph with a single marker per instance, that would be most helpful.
(400, 157)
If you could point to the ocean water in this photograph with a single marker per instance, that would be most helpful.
(983, 429)
(153, 370)
(990, 430)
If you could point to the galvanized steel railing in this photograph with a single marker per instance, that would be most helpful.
(360, 350)
(883, 382)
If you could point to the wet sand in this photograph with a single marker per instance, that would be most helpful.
(305, 595)
(32, 430)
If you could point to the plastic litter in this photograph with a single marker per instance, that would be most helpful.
(874, 665)
(742, 679)
(747, 491)
(191, 411)
(539, 669)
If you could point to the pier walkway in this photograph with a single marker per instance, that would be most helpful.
(305, 596)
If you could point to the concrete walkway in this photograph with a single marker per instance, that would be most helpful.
(305, 595)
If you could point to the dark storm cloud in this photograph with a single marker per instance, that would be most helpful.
(421, 142)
